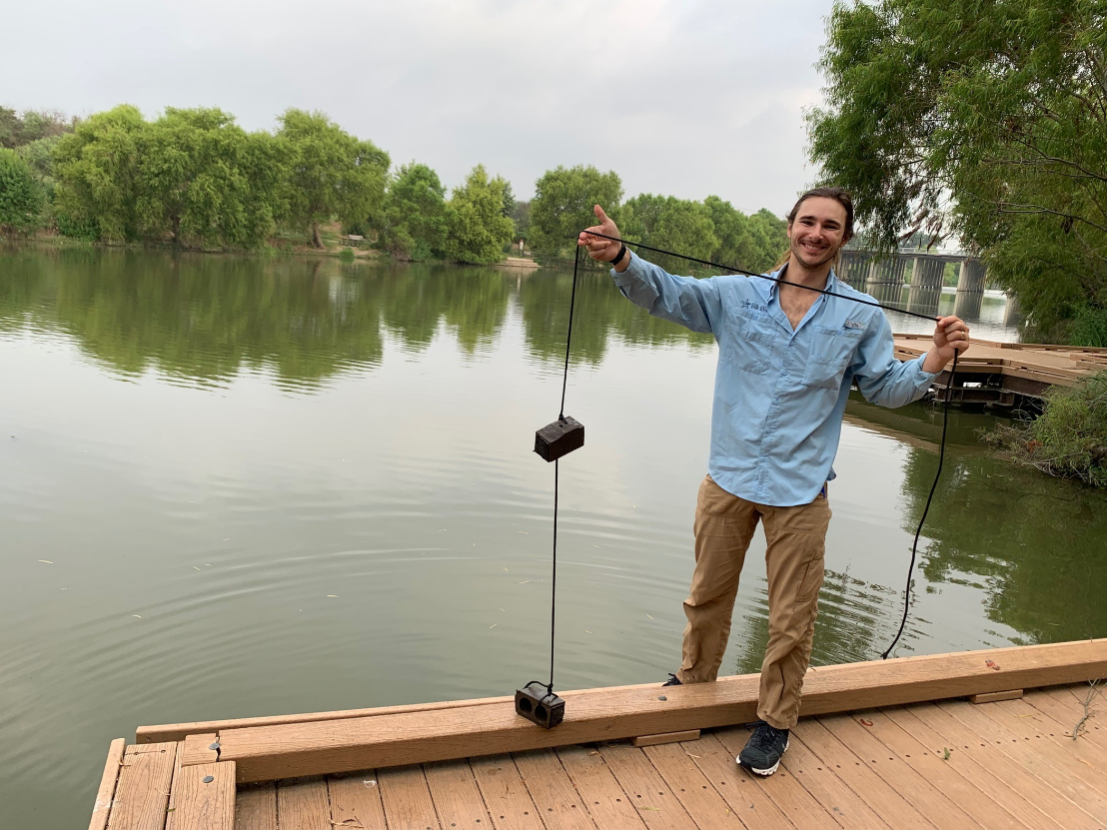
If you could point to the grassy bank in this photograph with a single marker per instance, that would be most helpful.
(1069, 439)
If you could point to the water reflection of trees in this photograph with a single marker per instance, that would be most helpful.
(601, 312)
(1034, 546)
(206, 318)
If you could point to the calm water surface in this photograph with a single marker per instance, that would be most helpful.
(236, 487)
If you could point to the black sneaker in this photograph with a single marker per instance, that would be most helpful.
(762, 752)
(672, 680)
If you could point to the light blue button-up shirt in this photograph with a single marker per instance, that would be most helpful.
(779, 394)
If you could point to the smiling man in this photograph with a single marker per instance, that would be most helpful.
(787, 356)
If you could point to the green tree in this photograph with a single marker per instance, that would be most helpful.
(682, 226)
(20, 195)
(478, 229)
(331, 173)
(39, 158)
(413, 223)
(769, 240)
(97, 172)
(202, 177)
(988, 119)
(564, 205)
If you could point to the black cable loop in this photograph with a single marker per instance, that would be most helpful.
(567, 356)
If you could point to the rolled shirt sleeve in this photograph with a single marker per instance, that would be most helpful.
(882, 378)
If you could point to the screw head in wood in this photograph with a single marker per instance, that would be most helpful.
(207, 779)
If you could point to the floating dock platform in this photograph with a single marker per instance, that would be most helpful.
(999, 738)
(1002, 373)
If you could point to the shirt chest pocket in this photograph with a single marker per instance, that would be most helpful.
(831, 353)
(752, 343)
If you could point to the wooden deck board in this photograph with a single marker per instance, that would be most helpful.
(608, 805)
(1038, 721)
(553, 793)
(1022, 757)
(978, 769)
(456, 797)
(107, 789)
(356, 801)
(939, 773)
(204, 798)
(257, 807)
(698, 794)
(406, 798)
(303, 804)
(1065, 716)
(1011, 733)
(838, 760)
(143, 789)
(651, 797)
(896, 769)
(792, 805)
(849, 808)
(505, 794)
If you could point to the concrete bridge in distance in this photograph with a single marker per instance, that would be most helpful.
(885, 278)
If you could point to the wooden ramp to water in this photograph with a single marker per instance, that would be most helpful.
(997, 372)
(984, 739)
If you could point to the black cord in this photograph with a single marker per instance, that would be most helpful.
(945, 403)
(930, 495)
(741, 271)
(556, 487)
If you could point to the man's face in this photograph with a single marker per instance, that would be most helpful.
(818, 231)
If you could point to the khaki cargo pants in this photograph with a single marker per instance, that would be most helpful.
(796, 536)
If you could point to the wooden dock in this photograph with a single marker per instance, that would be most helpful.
(1001, 738)
(1001, 372)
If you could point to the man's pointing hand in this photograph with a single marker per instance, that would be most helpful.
(599, 248)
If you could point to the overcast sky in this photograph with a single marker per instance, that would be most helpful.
(683, 98)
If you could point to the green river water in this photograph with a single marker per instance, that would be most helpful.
(234, 486)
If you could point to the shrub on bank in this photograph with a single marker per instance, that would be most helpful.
(1069, 439)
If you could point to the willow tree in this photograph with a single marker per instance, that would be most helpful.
(331, 174)
(984, 120)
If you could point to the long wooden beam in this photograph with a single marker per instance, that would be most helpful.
(484, 728)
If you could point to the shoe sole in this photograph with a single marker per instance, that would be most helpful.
(767, 771)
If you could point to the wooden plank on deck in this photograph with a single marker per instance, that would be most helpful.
(356, 801)
(838, 761)
(982, 768)
(552, 791)
(198, 749)
(938, 772)
(257, 807)
(649, 793)
(1023, 713)
(505, 794)
(895, 769)
(608, 804)
(1067, 717)
(698, 795)
(303, 804)
(204, 798)
(406, 798)
(778, 801)
(456, 797)
(143, 789)
(1024, 757)
(423, 736)
(107, 787)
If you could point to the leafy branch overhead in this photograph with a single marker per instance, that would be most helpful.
(983, 120)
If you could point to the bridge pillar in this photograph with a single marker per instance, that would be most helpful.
(885, 279)
(853, 269)
(971, 290)
(926, 285)
(1011, 310)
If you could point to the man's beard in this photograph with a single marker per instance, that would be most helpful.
(832, 253)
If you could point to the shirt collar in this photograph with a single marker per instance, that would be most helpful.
(831, 281)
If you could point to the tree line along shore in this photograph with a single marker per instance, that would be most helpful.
(195, 179)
